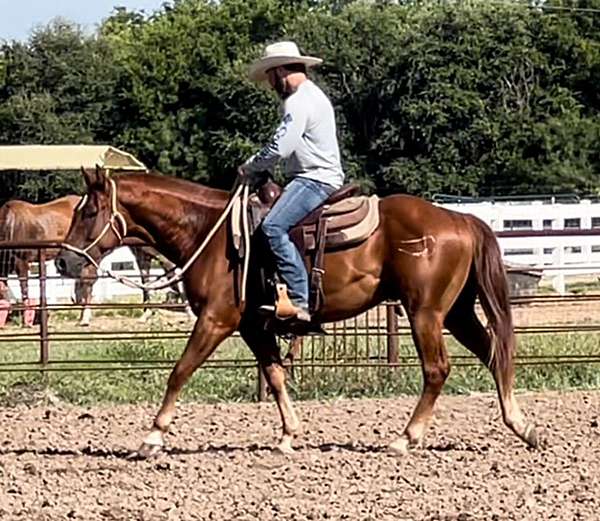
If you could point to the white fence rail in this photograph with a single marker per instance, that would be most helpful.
(60, 289)
(560, 239)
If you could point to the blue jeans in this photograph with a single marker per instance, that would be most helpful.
(300, 197)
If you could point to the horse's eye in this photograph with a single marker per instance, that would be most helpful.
(90, 211)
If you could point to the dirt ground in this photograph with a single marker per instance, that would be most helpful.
(63, 462)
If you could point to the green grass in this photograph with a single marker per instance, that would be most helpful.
(239, 382)
(77, 384)
(583, 287)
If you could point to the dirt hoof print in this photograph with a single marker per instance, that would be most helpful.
(538, 439)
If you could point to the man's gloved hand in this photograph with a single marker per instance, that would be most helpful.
(253, 178)
(242, 174)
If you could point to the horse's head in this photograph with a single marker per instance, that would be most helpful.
(97, 226)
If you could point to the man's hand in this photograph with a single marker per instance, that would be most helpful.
(254, 179)
(244, 176)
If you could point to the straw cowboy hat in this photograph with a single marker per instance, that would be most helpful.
(277, 54)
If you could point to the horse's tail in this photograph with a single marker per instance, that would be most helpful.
(492, 289)
(8, 222)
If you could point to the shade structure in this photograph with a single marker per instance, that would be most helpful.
(66, 157)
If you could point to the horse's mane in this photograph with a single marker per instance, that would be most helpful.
(184, 190)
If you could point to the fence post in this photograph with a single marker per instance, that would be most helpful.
(558, 282)
(392, 333)
(262, 385)
(43, 307)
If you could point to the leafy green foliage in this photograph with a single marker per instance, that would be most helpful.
(56, 89)
(470, 98)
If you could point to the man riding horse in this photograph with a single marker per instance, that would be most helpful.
(306, 139)
(435, 261)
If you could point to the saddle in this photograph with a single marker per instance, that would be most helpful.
(350, 218)
(344, 220)
(339, 223)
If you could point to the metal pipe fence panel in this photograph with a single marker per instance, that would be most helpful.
(376, 340)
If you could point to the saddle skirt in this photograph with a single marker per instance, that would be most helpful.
(348, 222)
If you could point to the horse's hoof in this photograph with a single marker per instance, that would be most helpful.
(146, 451)
(400, 447)
(285, 448)
(147, 315)
(536, 439)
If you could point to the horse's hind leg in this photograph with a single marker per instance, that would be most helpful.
(265, 348)
(464, 324)
(427, 334)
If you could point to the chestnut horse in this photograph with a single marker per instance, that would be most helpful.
(24, 221)
(434, 260)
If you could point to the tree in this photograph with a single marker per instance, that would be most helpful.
(463, 99)
(189, 109)
(469, 98)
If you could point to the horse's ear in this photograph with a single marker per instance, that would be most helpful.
(89, 176)
(101, 177)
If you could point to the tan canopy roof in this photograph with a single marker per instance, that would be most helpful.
(66, 157)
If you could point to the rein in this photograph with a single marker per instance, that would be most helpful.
(242, 190)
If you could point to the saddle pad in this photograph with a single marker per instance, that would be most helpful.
(345, 205)
(338, 236)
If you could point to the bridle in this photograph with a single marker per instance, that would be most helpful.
(116, 217)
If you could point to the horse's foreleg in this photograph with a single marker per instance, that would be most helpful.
(83, 297)
(144, 262)
(265, 348)
(145, 278)
(22, 270)
(180, 289)
(429, 341)
(293, 353)
(208, 333)
(145, 293)
(85, 319)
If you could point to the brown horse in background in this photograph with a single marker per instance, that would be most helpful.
(437, 284)
(24, 221)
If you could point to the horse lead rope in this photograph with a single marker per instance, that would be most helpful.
(243, 188)
(246, 228)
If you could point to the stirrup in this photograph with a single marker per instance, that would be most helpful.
(285, 309)
(266, 309)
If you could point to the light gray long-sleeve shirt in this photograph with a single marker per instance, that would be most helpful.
(306, 139)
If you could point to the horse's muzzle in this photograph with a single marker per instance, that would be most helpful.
(69, 264)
